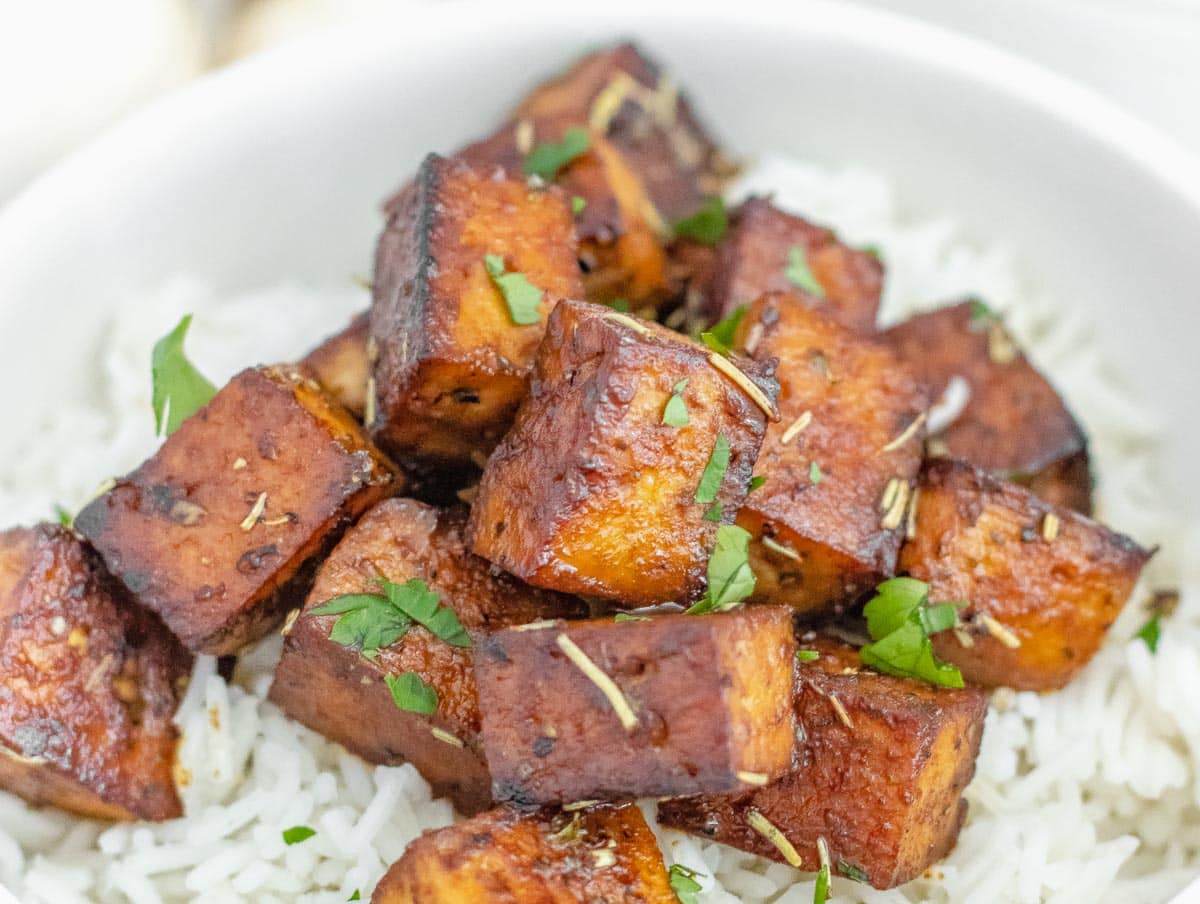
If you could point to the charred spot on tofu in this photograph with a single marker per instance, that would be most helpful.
(335, 690)
(218, 532)
(454, 349)
(672, 705)
(1042, 583)
(591, 492)
(342, 367)
(880, 769)
(91, 684)
(1005, 415)
(850, 427)
(598, 853)
(768, 250)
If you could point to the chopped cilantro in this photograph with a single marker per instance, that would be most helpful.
(1151, 631)
(684, 884)
(799, 274)
(410, 693)
(714, 513)
(714, 471)
(356, 896)
(850, 871)
(675, 414)
(370, 621)
(821, 888)
(730, 578)
(619, 304)
(720, 337)
(873, 250)
(629, 616)
(548, 158)
(814, 473)
(418, 602)
(179, 390)
(755, 482)
(900, 622)
(707, 225)
(980, 311)
(578, 204)
(296, 834)
(63, 516)
(807, 655)
(522, 297)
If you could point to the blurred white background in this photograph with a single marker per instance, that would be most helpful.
(68, 68)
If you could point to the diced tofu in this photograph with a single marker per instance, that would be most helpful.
(591, 492)
(218, 531)
(90, 684)
(768, 250)
(337, 691)
(1042, 583)
(850, 434)
(880, 770)
(340, 365)
(453, 360)
(1013, 422)
(602, 709)
(598, 854)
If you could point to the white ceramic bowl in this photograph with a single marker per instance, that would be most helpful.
(275, 168)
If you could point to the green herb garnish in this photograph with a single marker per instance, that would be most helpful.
(1151, 631)
(683, 883)
(179, 390)
(629, 616)
(355, 897)
(65, 518)
(578, 204)
(714, 471)
(873, 250)
(410, 693)
(755, 483)
(707, 225)
(370, 621)
(418, 602)
(730, 578)
(675, 414)
(548, 158)
(850, 871)
(814, 473)
(821, 888)
(714, 513)
(720, 337)
(619, 304)
(981, 312)
(807, 655)
(799, 274)
(522, 297)
(900, 622)
(296, 834)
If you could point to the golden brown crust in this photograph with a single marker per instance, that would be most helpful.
(849, 406)
(340, 365)
(452, 365)
(884, 790)
(1014, 424)
(598, 854)
(590, 492)
(336, 691)
(708, 697)
(180, 531)
(1043, 583)
(91, 684)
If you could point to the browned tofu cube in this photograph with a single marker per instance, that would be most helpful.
(591, 492)
(1013, 422)
(453, 356)
(336, 690)
(849, 436)
(768, 250)
(218, 531)
(602, 709)
(598, 854)
(880, 770)
(91, 683)
(340, 365)
(1042, 583)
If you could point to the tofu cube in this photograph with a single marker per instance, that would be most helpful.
(341, 366)
(591, 492)
(453, 359)
(91, 684)
(880, 771)
(1042, 583)
(768, 250)
(849, 435)
(601, 853)
(340, 693)
(218, 531)
(1013, 423)
(604, 709)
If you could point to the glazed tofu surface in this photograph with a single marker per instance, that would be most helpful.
(605, 709)
(340, 364)
(91, 684)
(217, 533)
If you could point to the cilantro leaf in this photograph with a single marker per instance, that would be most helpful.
(872, 250)
(900, 622)
(684, 884)
(755, 482)
(1151, 631)
(799, 274)
(852, 872)
(714, 513)
(357, 896)
(814, 473)
(629, 616)
(720, 337)
(418, 602)
(707, 225)
(522, 297)
(65, 518)
(548, 158)
(807, 655)
(410, 693)
(821, 889)
(675, 414)
(714, 471)
(578, 204)
(980, 312)
(179, 390)
(730, 578)
(368, 622)
(296, 834)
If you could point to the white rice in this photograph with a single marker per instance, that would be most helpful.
(1091, 794)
